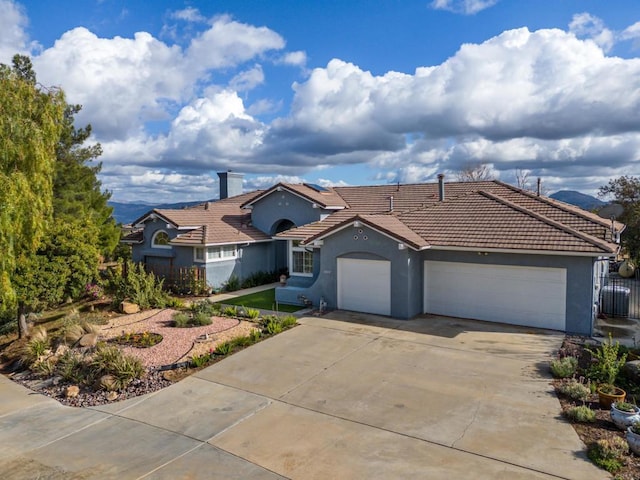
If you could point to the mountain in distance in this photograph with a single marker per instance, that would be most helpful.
(128, 212)
(582, 200)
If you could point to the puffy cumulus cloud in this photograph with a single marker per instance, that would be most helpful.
(466, 7)
(519, 88)
(228, 43)
(213, 132)
(13, 37)
(121, 82)
(189, 14)
(589, 26)
(267, 181)
(125, 82)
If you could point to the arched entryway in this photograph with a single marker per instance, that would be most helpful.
(281, 251)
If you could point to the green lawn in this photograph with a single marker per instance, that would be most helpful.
(265, 300)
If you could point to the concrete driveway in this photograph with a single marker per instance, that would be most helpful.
(338, 397)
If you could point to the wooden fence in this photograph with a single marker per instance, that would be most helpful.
(191, 280)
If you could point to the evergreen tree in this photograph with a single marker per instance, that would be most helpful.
(30, 127)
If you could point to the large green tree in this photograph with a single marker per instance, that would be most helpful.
(625, 190)
(31, 121)
(77, 191)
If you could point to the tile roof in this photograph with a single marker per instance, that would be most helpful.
(475, 215)
(482, 215)
(213, 223)
(326, 199)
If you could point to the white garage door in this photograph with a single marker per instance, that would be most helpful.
(531, 296)
(364, 285)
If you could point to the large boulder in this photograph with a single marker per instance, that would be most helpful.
(72, 391)
(631, 370)
(129, 308)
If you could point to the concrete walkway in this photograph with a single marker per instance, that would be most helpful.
(342, 396)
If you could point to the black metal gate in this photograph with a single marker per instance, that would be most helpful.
(620, 297)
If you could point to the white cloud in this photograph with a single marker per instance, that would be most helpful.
(298, 59)
(188, 14)
(588, 26)
(248, 79)
(13, 37)
(466, 7)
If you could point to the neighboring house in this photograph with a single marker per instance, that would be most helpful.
(484, 250)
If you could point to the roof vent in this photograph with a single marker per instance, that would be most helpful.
(391, 203)
(441, 187)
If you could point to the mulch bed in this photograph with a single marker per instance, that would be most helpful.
(603, 427)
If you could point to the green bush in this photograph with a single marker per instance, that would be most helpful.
(288, 321)
(608, 453)
(71, 367)
(574, 390)
(109, 360)
(273, 327)
(232, 284)
(201, 319)
(224, 348)
(198, 361)
(607, 363)
(134, 284)
(181, 320)
(582, 414)
(252, 313)
(255, 335)
(564, 367)
(205, 306)
(230, 311)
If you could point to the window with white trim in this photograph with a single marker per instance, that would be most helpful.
(198, 254)
(301, 260)
(223, 252)
(160, 239)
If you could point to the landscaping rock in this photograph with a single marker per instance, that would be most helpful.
(129, 308)
(108, 382)
(631, 370)
(111, 396)
(88, 340)
(61, 350)
(72, 391)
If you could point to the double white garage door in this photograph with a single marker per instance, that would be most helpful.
(531, 296)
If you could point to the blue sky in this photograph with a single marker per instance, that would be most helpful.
(335, 92)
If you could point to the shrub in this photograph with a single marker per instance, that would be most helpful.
(232, 284)
(574, 390)
(224, 348)
(45, 367)
(255, 335)
(273, 327)
(252, 313)
(35, 347)
(230, 311)
(205, 307)
(138, 286)
(288, 321)
(198, 361)
(109, 360)
(243, 341)
(71, 367)
(607, 363)
(181, 319)
(608, 453)
(581, 414)
(201, 319)
(564, 367)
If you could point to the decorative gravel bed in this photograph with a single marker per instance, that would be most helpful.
(177, 343)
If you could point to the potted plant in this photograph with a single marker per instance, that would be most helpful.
(605, 370)
(624, 414)
(633, 437)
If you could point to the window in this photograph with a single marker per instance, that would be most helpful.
(198, 254)
(224, 252)
(160, 240)
(301, 260)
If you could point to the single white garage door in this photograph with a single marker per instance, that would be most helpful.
(364, 285)
(531, 296)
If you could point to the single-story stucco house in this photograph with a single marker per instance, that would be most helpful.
(483, 250)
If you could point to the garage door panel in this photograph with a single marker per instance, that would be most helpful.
(364, 285)
(532, 296)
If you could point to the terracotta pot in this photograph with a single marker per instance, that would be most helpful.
(606, 399)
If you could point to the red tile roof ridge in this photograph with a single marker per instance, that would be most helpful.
(576, 233)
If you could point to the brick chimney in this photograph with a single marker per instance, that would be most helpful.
(230, 184)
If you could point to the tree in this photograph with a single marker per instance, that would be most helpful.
(475, 173)
(625, 190)
(77, 190)
(30, 127)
